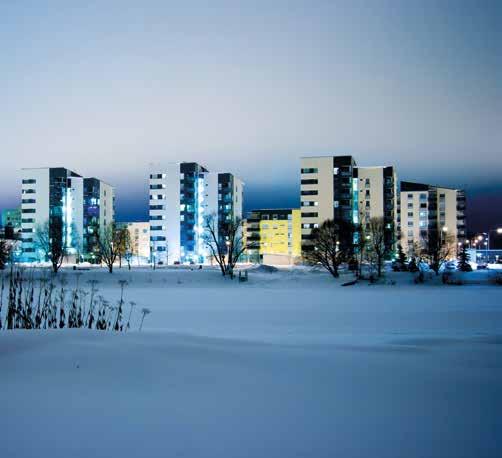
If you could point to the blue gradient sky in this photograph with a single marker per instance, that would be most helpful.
(107, 87)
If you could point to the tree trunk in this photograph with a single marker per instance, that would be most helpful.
(110, 268)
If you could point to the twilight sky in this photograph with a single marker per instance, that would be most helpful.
(107, 87)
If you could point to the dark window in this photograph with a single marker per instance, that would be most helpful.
(29, 181)
(156, 207)
(158, 238)
(27, 220)
(309, 215)
(310, 181)
(28, 201)
(28, 210)
(309, 193)
(309, 170)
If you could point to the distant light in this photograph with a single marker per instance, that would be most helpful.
(445, 229)
(499, 230)
(480, 237)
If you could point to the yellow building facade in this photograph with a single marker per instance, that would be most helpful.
(274, 236)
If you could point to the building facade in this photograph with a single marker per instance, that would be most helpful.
(99, 204)
(334, 187)
(53, 199)
(11, 222)
(183, 196)
(139, 233)
(273, 236)
(426, 208)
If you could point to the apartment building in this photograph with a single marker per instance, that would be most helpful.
(182, 198)
(274, 236)
(334, 187)
(99, 204)
(55, 197)
(11, 222)
(426, 208)
(139, 233)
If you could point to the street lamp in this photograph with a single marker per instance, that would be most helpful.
(445, 230)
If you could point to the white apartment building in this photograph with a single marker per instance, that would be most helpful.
(334, 187)
(182, 197)
(55, 196)
(139, 233)
(426, 208)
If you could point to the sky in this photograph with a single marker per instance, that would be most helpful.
(107, 88)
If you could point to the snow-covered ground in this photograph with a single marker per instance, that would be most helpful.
(289, 364)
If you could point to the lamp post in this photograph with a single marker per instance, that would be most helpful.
(444, 230)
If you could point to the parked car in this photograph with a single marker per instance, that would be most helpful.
(398, 266)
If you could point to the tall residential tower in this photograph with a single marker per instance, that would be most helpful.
(334, 187)
(425, 209)
(54, 199)
(182, 198)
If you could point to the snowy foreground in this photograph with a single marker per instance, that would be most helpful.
(289, 364)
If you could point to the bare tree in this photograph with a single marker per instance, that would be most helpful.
(225, 242)
(360, 244)
(5, 252)
(124, 242)
(50, 238)
(331, 244)
(129, 249)
(376, 241)
(437, 248)
(109, 240)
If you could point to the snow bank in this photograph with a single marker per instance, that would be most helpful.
(286, 364)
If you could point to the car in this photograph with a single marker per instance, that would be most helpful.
(482, 265)
(398, 266)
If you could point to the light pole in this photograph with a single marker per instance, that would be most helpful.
(445, 230)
